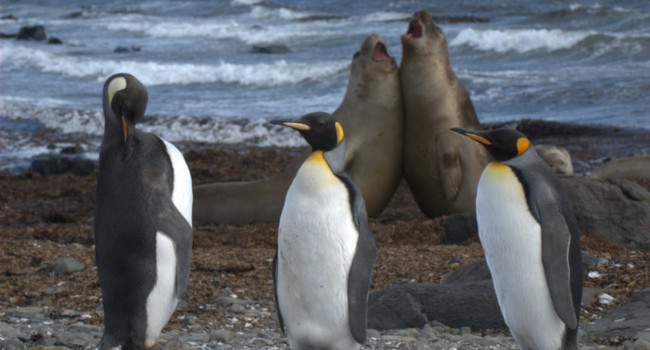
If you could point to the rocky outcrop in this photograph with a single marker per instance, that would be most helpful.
(627, 321)
(470, 304)
(617, 210)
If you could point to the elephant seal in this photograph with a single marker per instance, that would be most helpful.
(442, 168)
(371, 114)
(558, 158)
(636, 167)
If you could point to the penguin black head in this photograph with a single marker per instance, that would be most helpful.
(125, 101)
(503, 144)
(320, 129)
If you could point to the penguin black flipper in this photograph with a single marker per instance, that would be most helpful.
(560, 237)
(362, 264)
(164, 215)
(274, 267)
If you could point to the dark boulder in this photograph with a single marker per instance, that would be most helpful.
(460, 227)
(472, 304)
(32, 33)
(132, 48)
(271, 49)
(54, 40)
(60, 164)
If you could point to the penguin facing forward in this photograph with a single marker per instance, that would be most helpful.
(326, 252)
(142, 221)
(531, 242)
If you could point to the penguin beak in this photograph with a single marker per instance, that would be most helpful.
(124, 129)
(473, 135)
(291, 124)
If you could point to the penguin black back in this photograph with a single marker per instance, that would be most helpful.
(133, 205)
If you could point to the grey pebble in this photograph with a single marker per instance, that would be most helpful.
(67, 265)
(221, 335)
(11, 344)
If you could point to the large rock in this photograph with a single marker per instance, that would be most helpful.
(472, 304)
(32, 33)
(59, 164)
(617, 210)
(624, 321)
(460, 227)
(477, 271)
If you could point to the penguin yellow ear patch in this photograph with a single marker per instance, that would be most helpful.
(339, 132)
(114, 86)
(522, 145)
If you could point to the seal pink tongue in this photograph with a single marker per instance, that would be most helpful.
(415, 29)
(379, 52)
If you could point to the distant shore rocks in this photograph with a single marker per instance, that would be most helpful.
(52, 164)
(36, 33)
(271, 49)
(32, 33)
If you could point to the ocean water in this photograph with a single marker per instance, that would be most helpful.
(586, 62)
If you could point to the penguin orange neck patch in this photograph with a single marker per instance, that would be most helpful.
(339, 132)
(522, 145)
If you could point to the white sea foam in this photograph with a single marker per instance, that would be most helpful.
(172, 128)
(261, 12)
(244, 2)
(519, 40)
(152, 73)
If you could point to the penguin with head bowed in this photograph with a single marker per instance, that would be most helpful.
(142, 221)
(326, 252)
(531, 242)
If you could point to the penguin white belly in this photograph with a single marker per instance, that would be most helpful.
(511, 239)
(182, 195)
(162, 300)
(316, 244)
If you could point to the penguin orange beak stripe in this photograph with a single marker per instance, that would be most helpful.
(473, 136)
(297, 126)
(480, 139)
(124, 128)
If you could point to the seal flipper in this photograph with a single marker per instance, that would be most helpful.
(448, 164)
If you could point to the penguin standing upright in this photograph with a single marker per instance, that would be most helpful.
(142, 221)
(531, 242)
(326, 252)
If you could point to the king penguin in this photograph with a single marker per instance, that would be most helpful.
(142, 221)
(531, 242)
(326, 252)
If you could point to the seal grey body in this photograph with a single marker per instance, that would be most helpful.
(531, 242)
(325, 253)
(371, 114)
(441, 168)
(142, 221)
